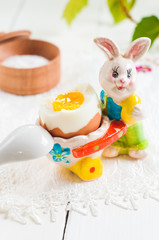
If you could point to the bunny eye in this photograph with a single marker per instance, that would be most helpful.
(129, 72)
(115, 73)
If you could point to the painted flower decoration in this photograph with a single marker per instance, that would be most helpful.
(59, 154)
(143, 68)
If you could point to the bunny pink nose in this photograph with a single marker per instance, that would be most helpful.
(122, 80)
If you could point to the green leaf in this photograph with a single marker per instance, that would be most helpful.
(147, 27)
(72, 8)
(120, 9)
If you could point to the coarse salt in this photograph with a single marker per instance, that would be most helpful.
(25, 61)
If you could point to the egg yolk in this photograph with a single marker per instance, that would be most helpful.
(68, 101)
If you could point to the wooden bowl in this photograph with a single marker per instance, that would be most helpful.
(32, 80)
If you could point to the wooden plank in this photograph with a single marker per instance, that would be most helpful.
(115, 223)
(41, 17)
(44, 19)
(8, 12)
(47, 230)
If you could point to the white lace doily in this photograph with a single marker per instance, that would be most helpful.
(40, 186)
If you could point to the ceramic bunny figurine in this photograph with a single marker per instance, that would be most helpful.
(119, 101)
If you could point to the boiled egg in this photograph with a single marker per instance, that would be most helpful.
(70, 114)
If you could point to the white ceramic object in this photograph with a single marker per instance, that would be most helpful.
(25, 143)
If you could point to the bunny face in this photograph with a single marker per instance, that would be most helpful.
(118, 75)
(118, 78)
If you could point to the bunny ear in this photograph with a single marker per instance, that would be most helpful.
(138, 48)
(108, 47)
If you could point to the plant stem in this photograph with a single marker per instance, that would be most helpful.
(126, 11)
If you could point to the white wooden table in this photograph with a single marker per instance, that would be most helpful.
(43, 18)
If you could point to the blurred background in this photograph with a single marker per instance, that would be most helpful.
(44, 19)
(72, 25)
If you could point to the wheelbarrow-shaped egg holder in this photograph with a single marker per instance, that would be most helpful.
(81, 154)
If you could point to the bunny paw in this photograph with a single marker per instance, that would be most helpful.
(138, 112)
(137, 154)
